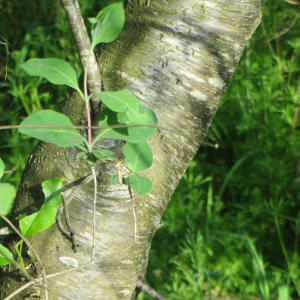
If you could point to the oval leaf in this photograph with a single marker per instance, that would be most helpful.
(112, 18)
(138, 156)
(141, 185)
(45, 217)
(55, 70)
(104, 154)
(7, 197)
(3, 260)
(1, 168)
(119, 101)
(122, 101)
(63, 137)
(131, 134)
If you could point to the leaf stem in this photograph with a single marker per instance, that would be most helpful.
(94, 213)
(19, 253)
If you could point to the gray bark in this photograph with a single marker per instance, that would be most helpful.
(177, 57)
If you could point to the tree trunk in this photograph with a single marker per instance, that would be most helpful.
(177, 57)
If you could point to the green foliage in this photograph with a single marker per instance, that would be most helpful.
(7, 196)
(130, 134)
(141, 185)
(120, 101)
(63, 137)
(104, 154)
(3, 260)
(45, 217)
(54, 70)
(138, 156)
(1, 167)
(111, 21)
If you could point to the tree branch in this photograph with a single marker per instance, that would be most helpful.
(83, 46)
(150, 291)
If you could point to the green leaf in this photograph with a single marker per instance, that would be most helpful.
(138, 156)
(3, 260)
(97, 29)
(63, 137)
(132, 134)
(83, 147)
(91, 159)
(1, 168)
(104, 154)
(80, 154)
(141, 185)
(7, 197)
(112, 18)
(119, 101)
(54, 70)
(122, 101)
(45, 217)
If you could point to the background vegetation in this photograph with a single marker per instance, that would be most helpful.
(232, 226)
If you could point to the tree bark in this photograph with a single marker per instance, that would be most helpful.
(177, 57)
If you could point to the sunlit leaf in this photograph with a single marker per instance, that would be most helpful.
(3, 260)
(122, 101)
(112, 18)
(1, 168)
(7, 196)
(45, 217)
(141, 185)
(119, 101)
(63, 137)
(55, 70)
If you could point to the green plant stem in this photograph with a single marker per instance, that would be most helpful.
(94, 213)
(19, 253)
(87, 103)
(280, 236)
(89, 124)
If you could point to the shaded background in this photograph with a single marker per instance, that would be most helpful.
(232, 226)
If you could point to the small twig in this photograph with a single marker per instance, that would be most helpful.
(285, 30)
(94, 213)
(25, 273)
(69, 225)
(168, 129)
(292, 2)
(134, 216)
(44, 264)
(19, 290)
(70, 270)
(150, 291)
(7, 53)
(28, 245)
(66, 202)
(216, 145)
(271, 48)
(21, 236)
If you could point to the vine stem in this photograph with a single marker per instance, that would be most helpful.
(94, 214)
